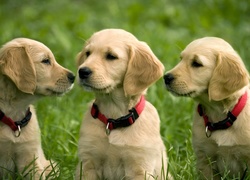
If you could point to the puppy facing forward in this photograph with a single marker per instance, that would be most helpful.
(28, 70)
(120, 134)
(213, 74)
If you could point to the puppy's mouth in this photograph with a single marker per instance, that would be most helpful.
(89, 87)
(59, 91)
(56, 93)
(188, 94)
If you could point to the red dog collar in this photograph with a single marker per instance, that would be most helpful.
(226, 123)
(16, 125)
(123, 121)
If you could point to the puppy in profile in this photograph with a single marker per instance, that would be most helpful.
(28, 70)
(120, 134)
(213, 74)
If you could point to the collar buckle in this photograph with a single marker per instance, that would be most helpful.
(123, 121)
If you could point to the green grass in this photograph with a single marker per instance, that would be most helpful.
(167, 26)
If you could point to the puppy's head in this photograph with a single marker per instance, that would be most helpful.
(114, 58)
(208, 65)
(31, 66)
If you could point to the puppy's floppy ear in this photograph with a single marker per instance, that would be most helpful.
(79, 58)
(17, 65)
(144, 68)
(229, 76)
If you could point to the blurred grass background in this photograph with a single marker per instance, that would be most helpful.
(166, 25)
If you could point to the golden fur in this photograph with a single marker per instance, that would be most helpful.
(211, 72)
(122, 68)
(28, 70)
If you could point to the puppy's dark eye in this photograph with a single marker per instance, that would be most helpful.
(87, 53)
(196, 64)
(110, 56)
(46, 61)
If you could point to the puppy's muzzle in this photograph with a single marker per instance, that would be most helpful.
(84, 73)
(71, 77)
(168, 78)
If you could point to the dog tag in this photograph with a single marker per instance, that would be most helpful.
(107, 129)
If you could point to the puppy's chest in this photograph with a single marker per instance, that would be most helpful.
(113, 168)
(112, 161)
(224, 150)
(6, 151)
(236, 158)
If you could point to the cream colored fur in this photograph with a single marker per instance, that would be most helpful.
(211, 72)
(122, 70)
(28, 70)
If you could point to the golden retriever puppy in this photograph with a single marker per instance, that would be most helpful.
(213, 74)
(120, 134)
(28, 70)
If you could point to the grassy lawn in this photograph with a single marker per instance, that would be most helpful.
(167, 26)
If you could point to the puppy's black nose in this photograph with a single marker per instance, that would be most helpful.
(168, 78)
(84, 72)
(71, 77)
